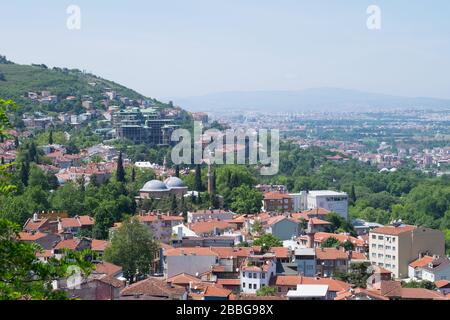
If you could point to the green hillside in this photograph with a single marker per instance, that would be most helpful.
(17, 80)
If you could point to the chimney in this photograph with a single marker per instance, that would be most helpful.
(35, 217)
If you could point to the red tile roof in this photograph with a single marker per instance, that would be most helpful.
(183, 279)
(394, 231)
(209, 226)
(198, 251)
(276, 196)
(99, 245)
(331, 254)
(25, 236)
(442, 283)
(71, 244)
(422, 262)
(292, 281)
(153, 287)
(107, 268)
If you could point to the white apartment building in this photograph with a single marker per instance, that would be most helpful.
(330, 200)
(256, 272)
(395, 247)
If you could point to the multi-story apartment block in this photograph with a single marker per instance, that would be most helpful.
(395, 247)
(330, 200)
(143, 126)
(277, 202)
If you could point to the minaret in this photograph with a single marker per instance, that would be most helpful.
(310, 234)
(164, 172)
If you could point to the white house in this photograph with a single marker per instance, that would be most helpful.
(430, 269)
(256, 272)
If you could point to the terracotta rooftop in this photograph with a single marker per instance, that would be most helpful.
(422, 262)
(331, 254)
(107, 268)
(193, 251)
(183, 279)
(394, 231)
(25, 236)
(276, 196)
(153, 287)
(292, 281)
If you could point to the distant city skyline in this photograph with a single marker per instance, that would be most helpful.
(195, 47)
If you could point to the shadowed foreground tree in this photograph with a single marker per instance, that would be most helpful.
(133, 248)
(23, 276)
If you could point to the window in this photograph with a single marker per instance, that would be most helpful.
(255, 276)
(380, 256)
(263, 276)
(243, 274)
(254, 286)
(393, 248)
(380, 247)
(380, 237)
(393, 239)
(250, 275)
(279, 289)
(388, 265)
(388, 247)
(374, 255)
(374, 245)
(243, 284)
(374, 236)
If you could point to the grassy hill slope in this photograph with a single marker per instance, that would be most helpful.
(17, 80)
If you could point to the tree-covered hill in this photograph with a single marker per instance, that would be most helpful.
(17, 80)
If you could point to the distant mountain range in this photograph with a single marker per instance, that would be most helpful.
(317, 99)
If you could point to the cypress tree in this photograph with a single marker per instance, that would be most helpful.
(133, 174)
(353, 194)
(24, 172)
(198, 179)
(50, 137)
(120, 173)
(177, 171)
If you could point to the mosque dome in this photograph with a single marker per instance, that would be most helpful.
(174, 182)
(154, 185)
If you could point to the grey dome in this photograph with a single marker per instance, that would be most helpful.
(174, 182)
(154, 185)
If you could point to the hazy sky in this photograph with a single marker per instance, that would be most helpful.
(177, 48)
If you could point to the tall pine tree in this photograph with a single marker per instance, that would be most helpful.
(120, 172)
(50, 137)
(198, 186)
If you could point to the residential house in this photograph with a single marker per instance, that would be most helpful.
(330, 261)
(194, 261)
(257, 271)
(277, 202)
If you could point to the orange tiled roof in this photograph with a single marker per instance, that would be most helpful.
(292, 281)
(422, 262)
(99, 245)
(68, 244)
(331, 254)
(209, 226)
(183, 279)
(107, 268)
(394, 231)
(189, 251)
(276, 196)
(25, 236)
